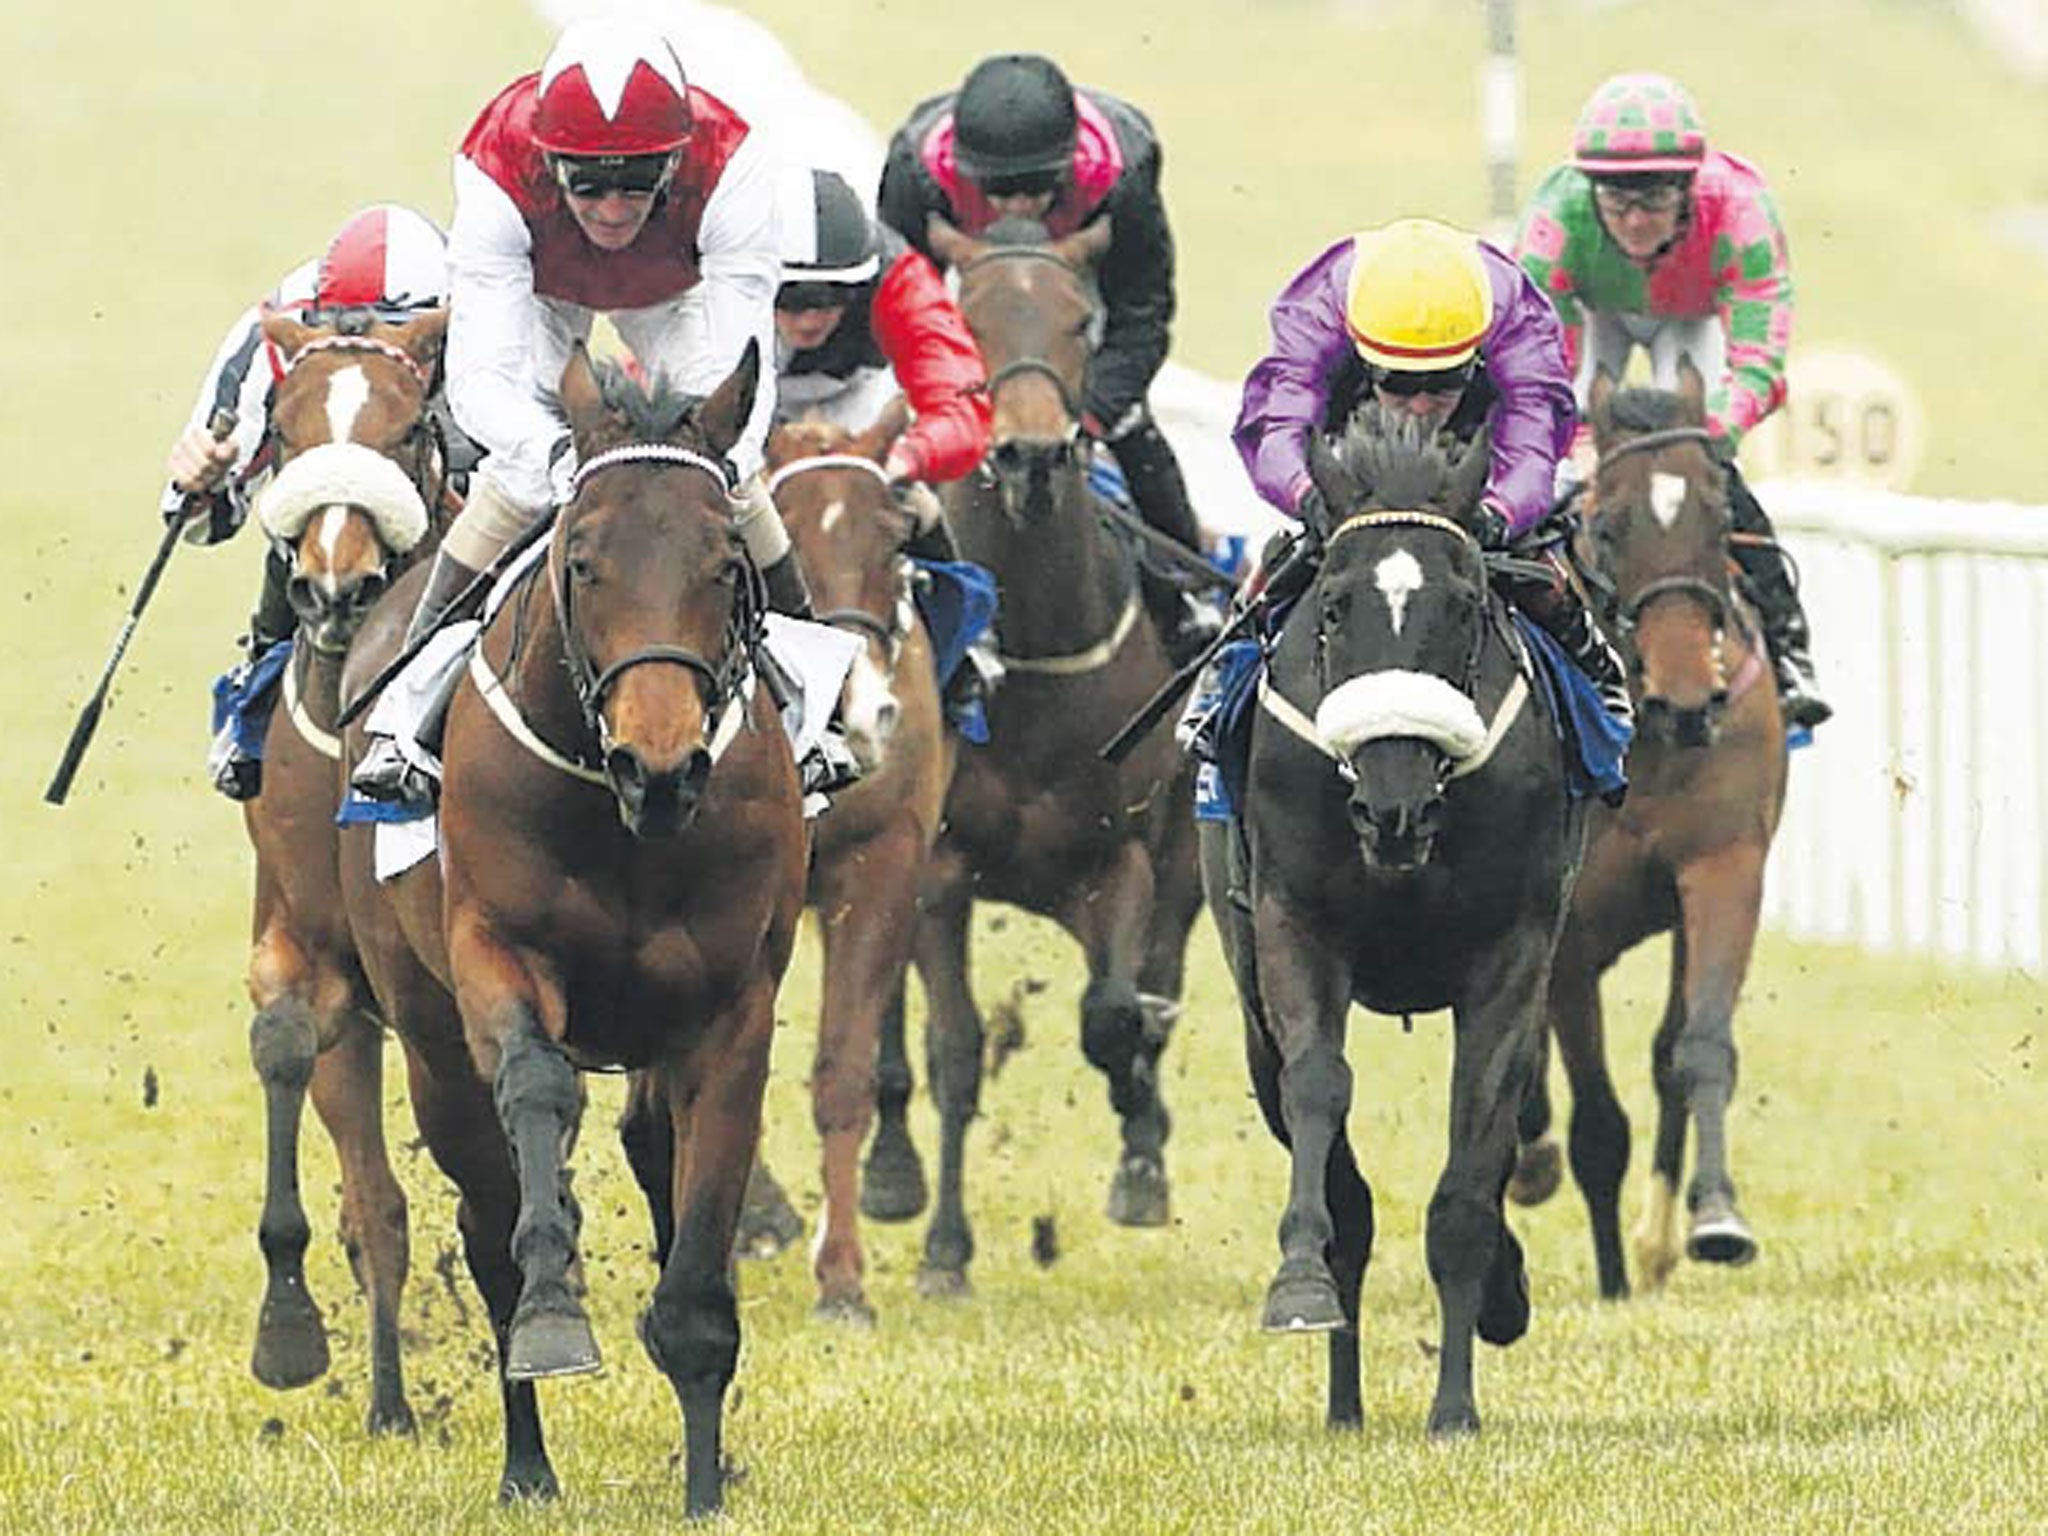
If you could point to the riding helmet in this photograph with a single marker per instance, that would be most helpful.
(612, 87)
(1014, 117)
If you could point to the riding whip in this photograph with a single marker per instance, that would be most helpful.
(222, 426)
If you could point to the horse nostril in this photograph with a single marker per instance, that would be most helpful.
(628, 774)
(1008, 458)
(367, 591)
(885, 719)
(303, 596)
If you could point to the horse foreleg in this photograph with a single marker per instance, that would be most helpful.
(892, 1186)
(1599, 1128)
(648, 1137)
(691, 1327)
(1474, 1260)
(539, 1103)
(348, 1092)
(1304, 991)
(1537, 1162)
(291, 1339)
(1122, 1034)
(953, 1044)
(453, 1109)
(868, 907)
(1722, 896)
(1654, 1240)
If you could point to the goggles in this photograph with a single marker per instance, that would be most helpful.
(1019, 183)
(814, 295)
(1440, 381)
(1619, 197)
(596, 176)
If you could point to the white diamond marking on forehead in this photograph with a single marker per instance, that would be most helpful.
(1399, 577)
(1667, 496)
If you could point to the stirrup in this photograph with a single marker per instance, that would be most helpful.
(387, 776)
(829, 766)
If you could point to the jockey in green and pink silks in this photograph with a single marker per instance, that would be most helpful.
(1648, 237)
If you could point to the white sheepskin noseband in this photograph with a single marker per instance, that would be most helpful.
(344, 475)
(1398, 703)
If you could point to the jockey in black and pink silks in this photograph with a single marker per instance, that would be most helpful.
(386, 261)
(1019, 140)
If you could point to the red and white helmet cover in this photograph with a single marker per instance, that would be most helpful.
(386, 256)
(612, 87)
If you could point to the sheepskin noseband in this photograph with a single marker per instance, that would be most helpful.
(345, 475)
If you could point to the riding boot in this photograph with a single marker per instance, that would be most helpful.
(934, 542)
(235, 771)
(1186, 620)
(388, 771)
(1768, 576)
(273, 619)
(788, 593)
(1567, 620)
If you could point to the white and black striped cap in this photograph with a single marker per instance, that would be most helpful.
(827, 236)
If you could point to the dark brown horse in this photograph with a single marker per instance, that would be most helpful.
(1685, 854)
(623, 846)
(1035, 817)
(1407, 844)
(355, 497)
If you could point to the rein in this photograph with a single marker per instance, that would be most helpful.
(1652, 442)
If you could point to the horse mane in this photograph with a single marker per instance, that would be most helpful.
(1401, 468)
(651, 412)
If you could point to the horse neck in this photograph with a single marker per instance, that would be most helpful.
(1064, 580)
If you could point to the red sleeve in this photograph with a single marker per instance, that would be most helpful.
(923, 334)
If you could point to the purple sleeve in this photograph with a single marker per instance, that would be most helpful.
(1288, 390)
(1533, 418)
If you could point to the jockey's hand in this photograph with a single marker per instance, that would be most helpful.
(200, 462)
(920, 501)
(1491, 527)
(1313, 511)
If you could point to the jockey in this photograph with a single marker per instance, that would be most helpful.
(1018, 140)
(387, 260)
(1648, 237)
(861, 318)
(604, 183)
(1437, 325)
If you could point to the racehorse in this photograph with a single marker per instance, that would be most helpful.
(1036, 818)
(869, 852)
(355, 497)
(1685, 853)
(1408, 844)
(621, 874)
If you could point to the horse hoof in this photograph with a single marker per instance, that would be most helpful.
(1720, 1236)
(1504, 1307)
(846, 1311)
(936, 1284)
(1138, 1194)
(1302, 1303)
(1459, 1423)
(767, 1228)
(551, 1343)
(291, 1342)
(892, 1186)
(524, 1485)
(397, 1423)
(1539, 1170)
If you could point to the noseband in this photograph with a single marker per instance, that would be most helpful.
(428, 453)
(721, 680)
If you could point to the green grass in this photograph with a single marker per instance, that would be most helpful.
(1878, 1370)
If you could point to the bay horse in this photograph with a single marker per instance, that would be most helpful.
(1685, 853)
(1408, 845)
(1035, 817)
(868, 853)
(621, 874)
(355, 499)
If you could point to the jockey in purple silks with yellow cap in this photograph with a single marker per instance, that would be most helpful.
(1436, 324)
(1648, 237)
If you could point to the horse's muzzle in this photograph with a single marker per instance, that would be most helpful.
(1659, 720)
(1025, 467)
(1397, 839)
(330, 616)
(657, 803)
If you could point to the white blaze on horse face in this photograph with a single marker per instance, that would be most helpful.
(829, 518)
(1400, 578)
(348, 391)
(333, 523)
(1667, 497)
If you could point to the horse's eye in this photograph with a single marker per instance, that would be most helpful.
(730, 571)
(581, 571)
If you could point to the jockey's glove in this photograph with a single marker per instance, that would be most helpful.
(1490, 526)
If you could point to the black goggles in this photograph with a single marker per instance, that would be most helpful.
(1441, 381)
(1020, 184)
(814, 295)
(597, 176)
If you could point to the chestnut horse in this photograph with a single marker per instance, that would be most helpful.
(1036, 817)
(355, 498)
(1685, 854)
(621, 875)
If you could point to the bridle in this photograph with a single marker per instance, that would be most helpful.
(1030, 363)
(1710, 596)
(721, 680)
(422, 454)
(888, 633)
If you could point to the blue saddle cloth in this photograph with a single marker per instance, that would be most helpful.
(245, 697)
(359, 810)
(956, 604)
(1596, 743)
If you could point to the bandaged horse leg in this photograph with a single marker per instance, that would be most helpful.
(1769, 575)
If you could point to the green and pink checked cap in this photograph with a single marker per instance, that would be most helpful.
(1638, 123)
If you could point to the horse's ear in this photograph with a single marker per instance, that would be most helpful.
(881, 435)
(1468, 479)
(287, 334)
(1692, 389)
(1341, 492)
(582, 401)
(723, 415)
(1597, 402)
(952, 246)
(423, 336)
(1084, 247)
